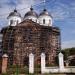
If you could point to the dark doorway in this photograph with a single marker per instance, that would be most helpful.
(26, 61)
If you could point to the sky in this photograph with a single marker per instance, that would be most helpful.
(62, 11)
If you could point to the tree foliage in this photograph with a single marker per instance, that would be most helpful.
(69, 55)
(70, 51)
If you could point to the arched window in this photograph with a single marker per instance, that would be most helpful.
(43, 21)
(11, 22)
(49, 21)
(36, 20)
(17, 22)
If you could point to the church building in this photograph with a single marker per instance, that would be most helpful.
(32, 34)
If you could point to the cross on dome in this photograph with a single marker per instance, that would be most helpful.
(44, 3)
(14, 18)
(44, 17)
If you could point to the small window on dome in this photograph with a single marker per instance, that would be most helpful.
(36, 20)
(49, 21)
(17, 21)
(43, 21)
(11, 22)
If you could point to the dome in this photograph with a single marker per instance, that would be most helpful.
(14, 18)
(15, 13)
(45, 18)
(45, 13)
(31, 13)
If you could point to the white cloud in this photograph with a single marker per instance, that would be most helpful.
(60, 11)
(7, 6)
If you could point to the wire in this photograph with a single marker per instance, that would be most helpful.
(23, 8)
(35, 5)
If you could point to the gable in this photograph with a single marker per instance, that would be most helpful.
(28, 23)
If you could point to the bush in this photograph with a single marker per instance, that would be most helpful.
(4, 74)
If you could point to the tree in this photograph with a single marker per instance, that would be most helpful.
(67, 53)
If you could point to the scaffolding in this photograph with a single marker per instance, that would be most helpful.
(8, 42)
(26, 38)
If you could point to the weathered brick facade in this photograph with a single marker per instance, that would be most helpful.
(29, 37)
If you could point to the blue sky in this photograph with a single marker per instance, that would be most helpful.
(63, 12)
